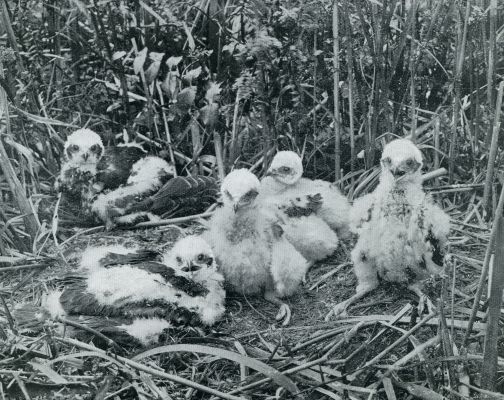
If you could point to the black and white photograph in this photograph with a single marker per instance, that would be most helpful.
(251, 199)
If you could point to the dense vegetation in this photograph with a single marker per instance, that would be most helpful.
(214, 84)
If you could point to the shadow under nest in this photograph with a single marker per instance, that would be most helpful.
(248, 327)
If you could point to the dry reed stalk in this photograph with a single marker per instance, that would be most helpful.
(234, 132)
(484, 270)
(350, 334)
(25, 207)
(436, 143)
(165, 124)
(350, 77)
(219, 154)
(172, 221)
(412, 71)
(337, 120)
(399, 341)
(489, 371)
(126, 362)
(459, 63)
(418, 391)
(492, 154)
(492, 47)
(417, 351)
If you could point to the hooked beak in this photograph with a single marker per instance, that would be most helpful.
(85, 156)
(191, 267)
(236, 207)
(397, 173)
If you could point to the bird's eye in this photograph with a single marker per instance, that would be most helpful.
(250, 195)
(179, 260)
(228, 195)
(201, 257)
(74, 148)
(410, 163)
(94, 148)
(386, 160)
(285, 170)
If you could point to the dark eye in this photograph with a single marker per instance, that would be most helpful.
(410, 163)
(179, 260)
(285, 170)
(250, 195)
(74, 148)
(386, 160)
(201, 257)
(94, 148)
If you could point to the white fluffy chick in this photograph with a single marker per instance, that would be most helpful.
(401, 231)
(251, 251)
(284, 181)
(82, 151)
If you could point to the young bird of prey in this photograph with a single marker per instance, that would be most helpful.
(401, 231)
(132, 295)
(88, 163)
(313, 212)
(121, 185)
(90, 169)
(284, 181)
(251, 251)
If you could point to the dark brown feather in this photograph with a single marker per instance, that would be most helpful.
(114, 167)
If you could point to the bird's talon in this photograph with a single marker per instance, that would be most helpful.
(284, 315)
(337, 311)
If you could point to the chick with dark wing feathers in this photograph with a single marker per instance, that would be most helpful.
(140, 299)
(402, 233)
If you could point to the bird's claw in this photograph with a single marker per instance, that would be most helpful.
(425, 301)
(284, 314)
(339, 310)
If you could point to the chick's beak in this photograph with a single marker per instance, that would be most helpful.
(397, 172)
(85, 156)
(191, 267)
(236, 207)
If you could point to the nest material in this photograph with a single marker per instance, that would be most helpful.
(350, 357)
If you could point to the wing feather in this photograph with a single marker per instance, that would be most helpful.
(182, 194)
(114, 167)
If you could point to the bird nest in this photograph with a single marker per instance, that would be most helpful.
(382, 350)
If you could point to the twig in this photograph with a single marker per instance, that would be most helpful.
(21, 267)
(327, 275)
(434, 174)
(172, 221)
(399, 341)
(351, 332)
(144, 368)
